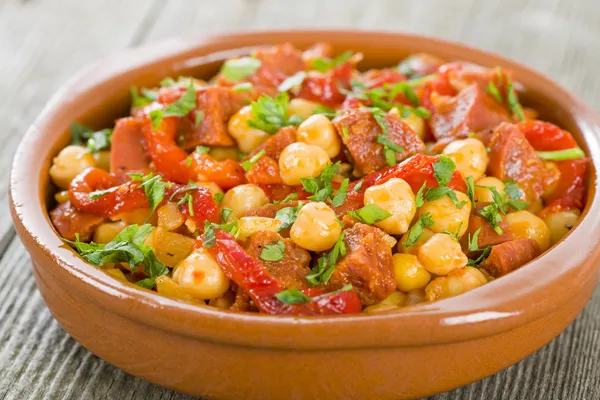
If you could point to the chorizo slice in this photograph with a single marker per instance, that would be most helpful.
(127, 152)
(274, 145)
(69, 221)
(359, 131)
(487, 235)
(472, 110)
(512, 157)
(509, 256)
(368, 264)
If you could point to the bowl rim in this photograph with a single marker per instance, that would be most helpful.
(517, 299)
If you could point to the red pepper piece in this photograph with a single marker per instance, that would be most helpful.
(544, 136)
(326, 88)
(174, 163)
(415, 171)
(265, 172)
(571, 187)
(253, 277)
(128, 196)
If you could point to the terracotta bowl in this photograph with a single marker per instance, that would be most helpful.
(420, 350)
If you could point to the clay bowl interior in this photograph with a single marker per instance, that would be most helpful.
(415, 351)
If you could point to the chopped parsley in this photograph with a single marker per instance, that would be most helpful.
(321, 109)
(242, 87)
(101, 193)
(491, 213)
(288, 216)
(340, 194)
(390, 149)
(473, 242)
(493, 91)
(482, 256)
(470, 188)
(202, 149)
(127, 247)
(218, 197)
(154, 187)
(187, 198)
(237, 69)
(513, 100)
(419, 198)
(94, 140)
(370, 214)
(141, 100)
(292, 82)
(199, 118)
(415, 232)
(561, 155)
(179, 108)
(270, 113)
(288, 198)
(249, 163)
(292, 296)
(209, 231)
(321, 187)
(443, 169)
(225, 214)
(358, 185)
(324, 64)
(273, 252)
(327, 262)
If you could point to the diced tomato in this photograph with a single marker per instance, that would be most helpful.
(327, 88)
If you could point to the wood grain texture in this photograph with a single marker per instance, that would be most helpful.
(43, 42)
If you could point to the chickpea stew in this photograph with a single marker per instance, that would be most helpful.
(293, 183)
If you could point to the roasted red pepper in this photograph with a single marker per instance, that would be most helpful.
(254, 278)
(129, 196)
(174, 163)
(544, 136)
(571, 187)
(327, 88)
(415, 171)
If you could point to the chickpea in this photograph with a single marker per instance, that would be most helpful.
(243, 198)
(425, 236)
(410, 274)
(224, 153)
(415, 296)
(200, 276)
(396, 197)
(301, 107)
(316, 228)
(170, 248)
(417, 124)
(457, 282)
(169, 217)
(392, 302)
(469, 155)
(526, 225)
(212, 187)
(535, 206)
(108, 231)
(560, 223)
(319, 131)
(483, 194)
(61, 197)
(441, 254)
(301, 160)
(446, 216)
(246, 137)
(71, 161)
(139, 217)
(248, 226)
(554, 171)
(102, 159)
(168, 287)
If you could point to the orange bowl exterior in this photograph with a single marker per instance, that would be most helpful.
(416, 351)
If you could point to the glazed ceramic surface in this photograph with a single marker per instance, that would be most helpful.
(416, 351)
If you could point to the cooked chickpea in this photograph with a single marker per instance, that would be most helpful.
(417, 124)
(469, 155)
(316, 228)
(200, 276)
(319, 131)
(213, 187)
(71, 161)
(396, 197)
(140, 216)
(554, 171)
(248, 226)
(535, 206)
(425, 236)
(169, 217)
(410, 274)
(224, 153)
(301, 107)
(61, 197)
(246, 137)
(108, 231)
(483, 194)
(441, 254)
(526, 225)
(168, 287)
(392, 302)
(560, 223)
(415, 296)
(446, 216)
(243, 198)
(301, 160)
(457, 282)
(102, 159)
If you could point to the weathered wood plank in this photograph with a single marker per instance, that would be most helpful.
(43, 42)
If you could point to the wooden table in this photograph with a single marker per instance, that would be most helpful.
(43, 42)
